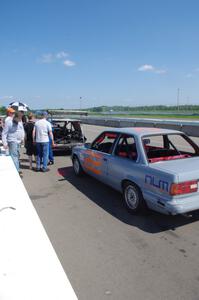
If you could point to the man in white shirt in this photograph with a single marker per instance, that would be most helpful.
(12, 137)
(41, 133)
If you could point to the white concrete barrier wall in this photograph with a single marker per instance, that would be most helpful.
(190, 128)
(29, 267)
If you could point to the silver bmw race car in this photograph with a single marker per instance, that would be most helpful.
(155, 168)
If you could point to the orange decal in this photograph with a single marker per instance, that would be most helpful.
(93, 154)
(90, 161)
(96, 171)
(93, 161)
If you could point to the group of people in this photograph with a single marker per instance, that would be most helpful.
(37, 136)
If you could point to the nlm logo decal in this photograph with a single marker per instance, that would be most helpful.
(158, 183)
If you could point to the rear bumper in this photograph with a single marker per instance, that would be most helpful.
(174, 205)
(58, 148)
(180, 206)
(65, 147)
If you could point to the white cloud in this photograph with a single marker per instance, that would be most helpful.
(61, 54)
(69, 63)
(59, 57)
(47, 58)
(193, 73)
(145, 68)
(152, 69)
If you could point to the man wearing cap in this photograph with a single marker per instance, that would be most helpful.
(41, 133)
(12, 137)
(10, 114)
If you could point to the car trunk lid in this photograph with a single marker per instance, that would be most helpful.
(184, 169)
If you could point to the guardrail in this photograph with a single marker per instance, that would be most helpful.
(189, 127)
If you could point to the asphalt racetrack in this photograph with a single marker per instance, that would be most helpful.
(106, 252)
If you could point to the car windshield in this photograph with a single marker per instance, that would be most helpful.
(169, 147)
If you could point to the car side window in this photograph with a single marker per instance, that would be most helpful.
(155, 142)
(104, 142)
(126, 147)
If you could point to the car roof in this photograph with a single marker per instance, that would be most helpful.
(144, 131)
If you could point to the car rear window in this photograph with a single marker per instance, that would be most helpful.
(169, 147)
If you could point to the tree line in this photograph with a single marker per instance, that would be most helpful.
(158, 108)
(2, 110)
(132, 109)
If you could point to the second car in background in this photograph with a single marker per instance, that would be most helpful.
(67, 134)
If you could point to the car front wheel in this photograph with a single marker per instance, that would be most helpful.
(134, 200)
(77, 167)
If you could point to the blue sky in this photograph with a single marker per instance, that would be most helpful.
(84, 53)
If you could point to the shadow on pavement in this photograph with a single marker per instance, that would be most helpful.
(112, 202)
(24, 167)
(62, 153)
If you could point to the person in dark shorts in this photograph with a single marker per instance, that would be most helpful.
(30, 146)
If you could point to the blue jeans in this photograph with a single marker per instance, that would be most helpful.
(14, 153)
(42, 155)
(50, 156)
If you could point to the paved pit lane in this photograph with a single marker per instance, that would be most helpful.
(106, 252)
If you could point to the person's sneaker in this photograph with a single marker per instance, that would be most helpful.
(21, 174)
(37, 170)
(50, 162)
(45, 170)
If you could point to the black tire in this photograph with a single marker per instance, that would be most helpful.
(77, 167)
(133, 198)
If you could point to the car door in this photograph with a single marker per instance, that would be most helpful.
(96, 158)
(123, 161)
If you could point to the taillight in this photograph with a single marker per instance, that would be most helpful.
(184, 187)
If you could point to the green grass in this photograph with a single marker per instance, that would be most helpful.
(163, 117)
(149, 116)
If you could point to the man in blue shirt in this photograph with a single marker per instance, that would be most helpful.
(41, 133)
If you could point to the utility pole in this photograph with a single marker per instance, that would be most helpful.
(80, 103)
(178, 98)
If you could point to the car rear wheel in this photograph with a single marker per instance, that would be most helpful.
(134, 200)
(77, 166)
